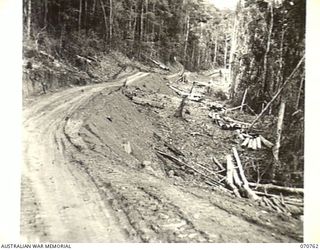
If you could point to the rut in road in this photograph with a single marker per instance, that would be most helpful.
(65, 206)
(86, 188)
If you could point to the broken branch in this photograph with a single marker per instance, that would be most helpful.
(277, 94)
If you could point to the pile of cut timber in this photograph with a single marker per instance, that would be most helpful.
(236, 179)
(227, 123)
(231, 179)
(159, 64)
(253, 141)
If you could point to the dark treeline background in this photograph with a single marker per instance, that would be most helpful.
(259, 45)
(192, 30)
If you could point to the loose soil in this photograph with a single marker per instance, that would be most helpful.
(91, 172)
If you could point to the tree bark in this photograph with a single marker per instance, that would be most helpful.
(104, 15)
(272, 187)
(86, 15)
(280, 70)
(266, 55)
(232, 50)
(110, 22)
(186, 37)
(141, 22)
(243, 99)
(45, 19)
(146, 22)
(29, 16)
(215, 51)
(153, 10)
(94, 7)
(299, 92)
(79, 17)
(230, 176)
(225, 51)
(277, 146)
(250, 194)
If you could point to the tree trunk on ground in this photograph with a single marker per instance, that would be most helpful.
(249, 193)
(230, 176)
(278, 189)
(179, 111)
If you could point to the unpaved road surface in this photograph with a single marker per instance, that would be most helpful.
(82, 179)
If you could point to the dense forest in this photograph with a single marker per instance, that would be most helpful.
(261, 46)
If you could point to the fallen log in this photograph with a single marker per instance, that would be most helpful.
(245, 142)
(271, 204)
(239, 134)
(284, 201)
(178, 91)
(266, 142)
(209, 171)
(145, 102)
(277, 202)
(84, 59)
(243, 99)
(169, 145)
(215, 106)
(181, 163)
(294, 204)
(229, 178)
(159, 64)
(288, 80)
(173, 149)
(179, 111)
(249, 192)
(247, 135)
(234, 108)
(218, 163)
(254, 144)
(272, 187)
(228, 119)
(258, 142)
(237, 180)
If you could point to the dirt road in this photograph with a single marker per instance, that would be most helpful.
(59, 203)
(80, 183)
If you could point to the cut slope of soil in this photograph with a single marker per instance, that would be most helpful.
(100, 140)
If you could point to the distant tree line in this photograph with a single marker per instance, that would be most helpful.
(192, 31)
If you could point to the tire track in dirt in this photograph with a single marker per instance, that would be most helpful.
(68, 206)
(88, 189)
(153, 209)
